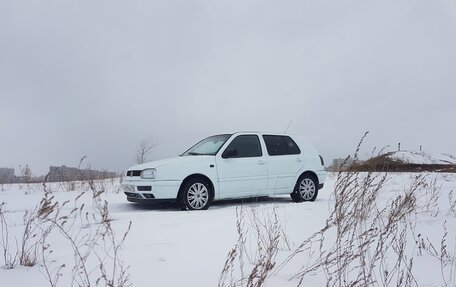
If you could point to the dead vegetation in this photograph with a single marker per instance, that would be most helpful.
(88, 230)
(372, 245)
(10, 257)
(369, 246)
(143, 151)
(251, 267)
(370, 237)
(383, 163)
(452, 203)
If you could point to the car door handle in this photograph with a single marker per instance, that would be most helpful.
(298, 159)
(261, 162)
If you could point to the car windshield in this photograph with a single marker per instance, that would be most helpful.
(208, 146)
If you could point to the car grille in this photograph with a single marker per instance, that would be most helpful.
(134, 173)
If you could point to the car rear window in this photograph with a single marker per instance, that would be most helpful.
(280, 145)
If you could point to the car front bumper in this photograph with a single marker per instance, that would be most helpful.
(139, 190)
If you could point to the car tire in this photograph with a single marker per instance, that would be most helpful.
(306, 189)
(195, 195)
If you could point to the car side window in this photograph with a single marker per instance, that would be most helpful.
(243, 146)
(292, 147)
(280, 145)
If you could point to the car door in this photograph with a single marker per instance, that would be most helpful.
(284, 162)
(242, 168)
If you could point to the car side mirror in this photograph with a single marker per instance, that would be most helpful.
(229, 153)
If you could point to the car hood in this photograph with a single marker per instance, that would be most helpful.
(172, 160)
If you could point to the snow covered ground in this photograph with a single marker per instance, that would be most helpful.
(168, 247)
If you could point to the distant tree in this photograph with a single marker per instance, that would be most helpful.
(143, 151)
(26, 173)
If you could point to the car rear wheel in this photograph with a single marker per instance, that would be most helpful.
(305, 190)
(195, 195)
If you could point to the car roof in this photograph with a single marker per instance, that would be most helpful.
(261, 133)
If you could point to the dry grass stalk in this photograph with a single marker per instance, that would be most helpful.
(365, 236)
(244, 268)
(430, 195)
(5, 186)
(370, 245)
(444, 255)
(96, 248)
(29, 243)
(452, 203)
(9, 260)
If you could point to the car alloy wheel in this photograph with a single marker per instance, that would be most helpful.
(197, 196)
(307, 189)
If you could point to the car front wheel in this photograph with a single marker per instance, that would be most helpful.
(195, 195)
(305, 189)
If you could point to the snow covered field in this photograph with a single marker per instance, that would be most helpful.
(168, 247)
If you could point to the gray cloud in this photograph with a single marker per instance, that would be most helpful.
(96, 77)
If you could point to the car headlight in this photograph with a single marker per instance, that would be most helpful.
(148, 173)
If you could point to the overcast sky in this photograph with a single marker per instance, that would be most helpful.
(97, 77)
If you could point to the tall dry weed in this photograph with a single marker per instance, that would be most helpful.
(246, 267)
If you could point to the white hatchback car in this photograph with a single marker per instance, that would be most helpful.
(229, 166)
